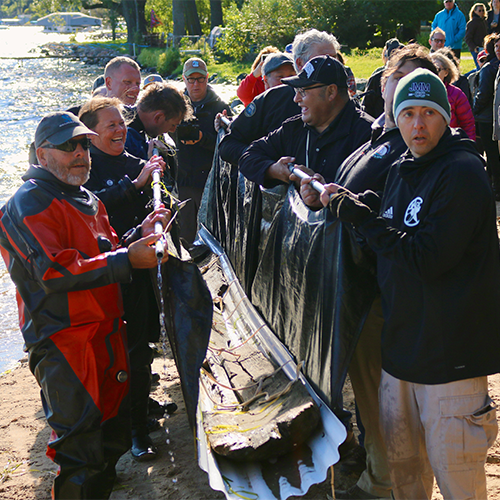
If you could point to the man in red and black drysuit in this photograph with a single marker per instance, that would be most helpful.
(66, 263)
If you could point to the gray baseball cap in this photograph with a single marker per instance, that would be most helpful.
(59, 127)
(274, 61)
(194, 65)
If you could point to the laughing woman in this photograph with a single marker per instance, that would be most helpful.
(122, 182)
(119, 179)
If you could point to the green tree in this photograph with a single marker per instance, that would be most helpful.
(258, 23)
(133, 11)
(44, 7)
(14, 8)
(215, 13)
(177, 17)
(356, 23)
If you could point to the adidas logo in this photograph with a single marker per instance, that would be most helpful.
(389, 213)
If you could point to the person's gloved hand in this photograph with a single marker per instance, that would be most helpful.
(346, 206)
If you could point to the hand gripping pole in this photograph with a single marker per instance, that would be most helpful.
(315, 184)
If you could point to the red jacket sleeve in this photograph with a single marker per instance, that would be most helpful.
(249, 88)
(461, 112)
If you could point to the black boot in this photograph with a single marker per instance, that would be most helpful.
(157, 409)
(143, 448)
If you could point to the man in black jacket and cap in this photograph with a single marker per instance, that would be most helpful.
(329, 128)
(270, 109)
(196, 153)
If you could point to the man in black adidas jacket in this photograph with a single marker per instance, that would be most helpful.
(439, 273)
(367, 168)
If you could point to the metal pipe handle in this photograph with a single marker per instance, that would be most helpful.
(315, 184)
(157, 202)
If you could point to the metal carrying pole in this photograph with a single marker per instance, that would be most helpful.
(315, 184)
(157, 202)
(225, 122)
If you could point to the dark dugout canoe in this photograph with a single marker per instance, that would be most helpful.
(303, 271)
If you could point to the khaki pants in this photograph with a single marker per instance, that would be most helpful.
(365, 371)
(441, 430)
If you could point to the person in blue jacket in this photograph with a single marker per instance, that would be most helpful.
(452, 21)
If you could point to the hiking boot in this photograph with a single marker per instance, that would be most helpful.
(157, 409)
(143, 448)
(354, 461)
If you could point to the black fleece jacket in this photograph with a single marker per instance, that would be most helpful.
(111, 181)
(195, 160)
(438, 266)
(324, 152)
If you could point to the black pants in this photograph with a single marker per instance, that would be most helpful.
(86, 406)
(492, 154)
(141, 315)
(188, 216)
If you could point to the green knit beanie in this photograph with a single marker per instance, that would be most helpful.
(421, 88)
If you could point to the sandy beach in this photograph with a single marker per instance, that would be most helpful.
(26, 473)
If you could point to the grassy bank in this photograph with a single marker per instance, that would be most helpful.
(362, 63)
(169, 62)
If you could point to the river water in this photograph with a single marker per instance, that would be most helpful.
(31, 88)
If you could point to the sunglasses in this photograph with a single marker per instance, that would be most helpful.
(303, 92)
(438, 40)
(71, 145)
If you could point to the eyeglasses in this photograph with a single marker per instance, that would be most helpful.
(438, 40)
(302, 91)
(200, 79)
(71, 145)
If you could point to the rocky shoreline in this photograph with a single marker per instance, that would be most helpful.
(88, 54)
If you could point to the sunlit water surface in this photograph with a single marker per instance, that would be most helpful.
(29, 89)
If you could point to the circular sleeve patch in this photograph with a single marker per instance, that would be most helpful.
(250, 109)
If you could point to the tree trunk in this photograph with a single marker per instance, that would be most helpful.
(133, 12)
(193, 25)
(113, 21)
(179, 20)
(215, 13)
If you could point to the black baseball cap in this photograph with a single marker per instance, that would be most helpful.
(275, 61)
(391, 45)
(98, 82)
(321, 69)
(60, 127)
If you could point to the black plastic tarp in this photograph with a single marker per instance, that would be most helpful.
(303, 271)
(188, 311)
(230, 210)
